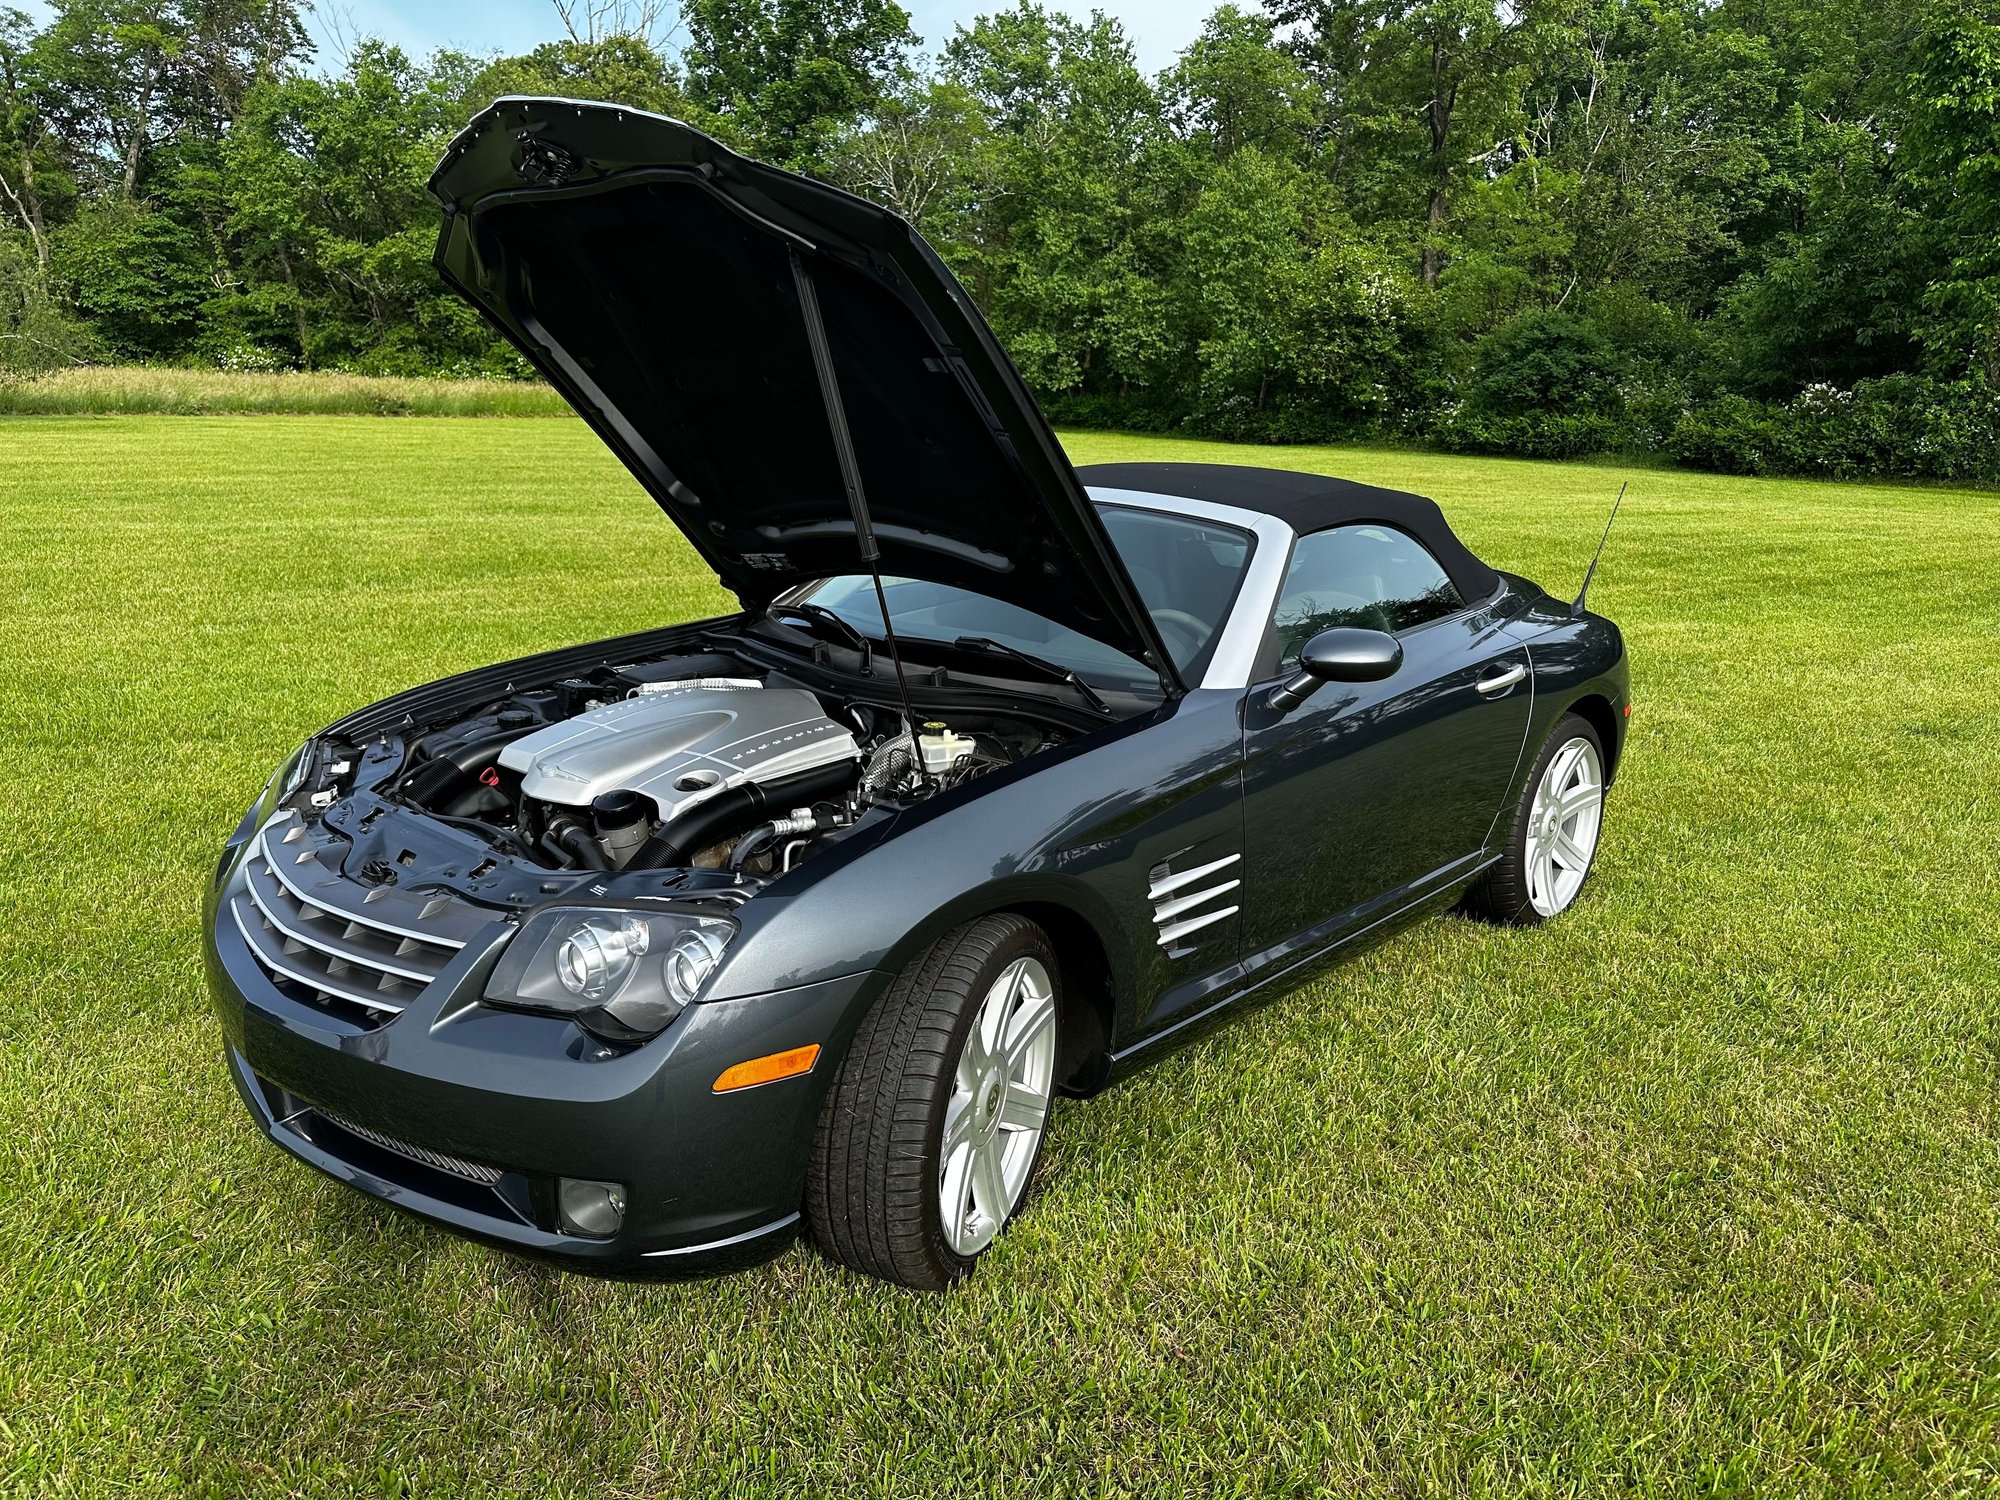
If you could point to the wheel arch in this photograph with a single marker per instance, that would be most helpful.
(1595, 710)
(1089, 977)
(1088, 1014)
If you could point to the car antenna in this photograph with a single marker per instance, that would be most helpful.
(1576, 609)
(850, 476)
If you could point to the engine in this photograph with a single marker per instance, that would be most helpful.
(680, 746)
(720, 771)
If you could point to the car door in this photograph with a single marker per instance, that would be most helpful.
(1368, 794)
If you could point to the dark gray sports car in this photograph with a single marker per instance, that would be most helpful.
(643, 956)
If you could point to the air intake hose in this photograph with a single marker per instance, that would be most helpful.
(716, 818)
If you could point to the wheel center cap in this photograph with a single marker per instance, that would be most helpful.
(992, 1092)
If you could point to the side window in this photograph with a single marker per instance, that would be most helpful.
(1374, 577)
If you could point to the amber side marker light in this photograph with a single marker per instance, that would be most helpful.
(747, 1075)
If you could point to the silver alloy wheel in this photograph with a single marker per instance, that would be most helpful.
(998, 1107)
(1563, 826)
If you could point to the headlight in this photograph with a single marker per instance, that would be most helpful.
(283, 782)
(621, 973)
(596, 957)
(293, 772)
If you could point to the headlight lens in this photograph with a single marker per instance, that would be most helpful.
(293, 772)
(623, 974)
(595, 958)
(691, 959)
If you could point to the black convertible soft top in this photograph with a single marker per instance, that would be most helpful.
(1307, 503)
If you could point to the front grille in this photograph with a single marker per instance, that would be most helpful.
(469, 1171)
(362, 952)
(1178, 898)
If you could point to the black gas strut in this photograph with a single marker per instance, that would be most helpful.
(850, 475)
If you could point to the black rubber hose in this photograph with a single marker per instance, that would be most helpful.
(764, 835)
(575, 841)
(752, 844)
(711, 821)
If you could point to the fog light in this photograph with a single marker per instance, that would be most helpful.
(594, 1209)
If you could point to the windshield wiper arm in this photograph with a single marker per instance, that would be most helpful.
(1053, 669)
(820, 614)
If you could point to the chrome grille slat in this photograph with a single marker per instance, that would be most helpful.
(280, 964)
(456, 1166)
(1171, 935)
(1169, 882)
(1166, 911)
(347, 947)
(339, 897)
(346, 943)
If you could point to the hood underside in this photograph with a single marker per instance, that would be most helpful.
(649, 273)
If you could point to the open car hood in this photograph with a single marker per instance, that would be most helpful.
(647, 271)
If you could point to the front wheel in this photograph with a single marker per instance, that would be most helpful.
(931, 1132)
(1552, 839)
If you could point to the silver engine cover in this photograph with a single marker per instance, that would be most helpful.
(679, 748)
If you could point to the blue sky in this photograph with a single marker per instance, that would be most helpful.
(1158, 28)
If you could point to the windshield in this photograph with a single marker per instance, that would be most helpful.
(1187, 573)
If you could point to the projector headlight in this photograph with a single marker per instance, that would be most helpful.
(622, 973)
(594, 960)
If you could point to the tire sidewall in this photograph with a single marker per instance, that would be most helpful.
(1026, 941)
(1569, 727)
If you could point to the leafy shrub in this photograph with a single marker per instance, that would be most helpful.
(1901, 425)
(1544, 385)
(1545, 364)
(36, 332)
(140, 277)
(1530, 434)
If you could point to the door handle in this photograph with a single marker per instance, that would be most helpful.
(1503, 680)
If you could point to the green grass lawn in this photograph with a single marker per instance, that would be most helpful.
(1692, 1192)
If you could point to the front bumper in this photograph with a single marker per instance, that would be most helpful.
(467, 1116)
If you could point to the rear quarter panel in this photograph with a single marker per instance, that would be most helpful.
(1577, 660)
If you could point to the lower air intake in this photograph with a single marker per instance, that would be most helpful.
(469, 1171)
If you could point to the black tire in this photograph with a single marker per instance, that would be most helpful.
(872, 1185)
(1501, 894)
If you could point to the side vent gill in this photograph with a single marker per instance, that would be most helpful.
(1181, 901)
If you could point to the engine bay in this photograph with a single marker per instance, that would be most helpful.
(700, 762)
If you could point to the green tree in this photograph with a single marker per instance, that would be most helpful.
(916, 154)
(30, 167)
(1424, 95)
(789, 76)
(1074, 179)
(622, 68)
(140, 276)
(1235, 87)
(1297, 322)
(1955, 166)
(121, 73)
(332, 222)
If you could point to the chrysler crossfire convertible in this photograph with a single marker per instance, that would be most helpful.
(646, 957)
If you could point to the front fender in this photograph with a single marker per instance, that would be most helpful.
(1077, 828)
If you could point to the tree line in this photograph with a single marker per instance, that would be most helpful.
(1755, 235)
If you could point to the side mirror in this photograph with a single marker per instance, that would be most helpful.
(1339, 655)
